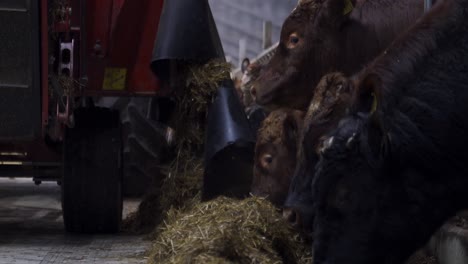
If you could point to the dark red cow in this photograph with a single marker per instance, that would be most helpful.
(396, 168)
(322, 36)
(275, 154)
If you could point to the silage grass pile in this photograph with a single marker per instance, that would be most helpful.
(226, 230)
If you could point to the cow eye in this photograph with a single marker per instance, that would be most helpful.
(266, 160)
(293, 40)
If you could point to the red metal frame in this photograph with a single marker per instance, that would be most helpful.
(125, 31)
(36, 151)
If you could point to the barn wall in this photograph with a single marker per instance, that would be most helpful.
(243, 19)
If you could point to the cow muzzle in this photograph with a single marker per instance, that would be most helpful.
(293, 217)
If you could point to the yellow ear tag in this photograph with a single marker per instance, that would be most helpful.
(374, 103)
(348, 7)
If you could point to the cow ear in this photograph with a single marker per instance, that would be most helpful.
(369, 94)
(299, 117)
(336, 12)
(348, 7)
(375, 135)
(370, 102)
(291, 127)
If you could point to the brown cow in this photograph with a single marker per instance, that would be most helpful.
(275, 154)
(322, 36)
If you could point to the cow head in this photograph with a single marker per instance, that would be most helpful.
(329, 104)
(365, 210)
(275, 154)
(307, 50)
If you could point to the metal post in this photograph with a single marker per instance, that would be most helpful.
(427, 5)
(242, 50)
(267, 26)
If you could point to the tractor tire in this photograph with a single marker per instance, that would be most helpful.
(145, 146)
(92, 175)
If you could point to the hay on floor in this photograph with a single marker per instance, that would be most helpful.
(184, 175)
(227, 230)
(183, 182)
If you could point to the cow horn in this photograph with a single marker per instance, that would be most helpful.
(351, 140)
(340, 87)
(327, 144)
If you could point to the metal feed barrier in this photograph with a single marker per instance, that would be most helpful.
(263, 58)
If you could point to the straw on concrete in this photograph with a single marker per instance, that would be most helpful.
(227, 230)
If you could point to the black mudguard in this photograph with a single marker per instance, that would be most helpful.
(229, 148)
(256, 114)
(186, 31)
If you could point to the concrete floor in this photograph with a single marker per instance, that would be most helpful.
(32, 232)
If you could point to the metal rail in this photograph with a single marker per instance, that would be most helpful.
(263, 58)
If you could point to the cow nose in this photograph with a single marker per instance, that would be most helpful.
(292, 217)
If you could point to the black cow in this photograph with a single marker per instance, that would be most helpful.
(329, 104)
(396, 168)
